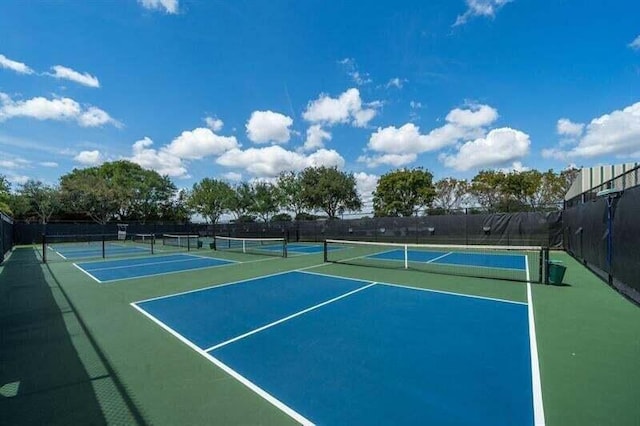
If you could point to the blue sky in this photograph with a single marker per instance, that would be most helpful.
(239, 90)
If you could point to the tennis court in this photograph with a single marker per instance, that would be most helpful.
(327, 350)
(123, 269)
(95, 249)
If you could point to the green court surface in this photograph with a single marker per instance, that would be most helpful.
(74, 351)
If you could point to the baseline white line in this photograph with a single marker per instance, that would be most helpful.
(87, 273)
(249, 384)
(536, 381)
(164, 273)
(159, 262)
(287, 318)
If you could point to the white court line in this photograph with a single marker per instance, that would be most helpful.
(159, 262)
(264, 394)
(536, 382)
(439, 257)
(287, 318)
(163, 273)
(87, 272)
(408, 287)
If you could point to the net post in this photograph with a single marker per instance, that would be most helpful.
(188, 240)
(406, 256)
(215, 246)
(153, 242)
(103, 246)
(284, 248)
(44, 248)
(544, 265)
(244, 246)
(325, 250)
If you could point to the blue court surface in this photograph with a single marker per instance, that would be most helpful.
(330, 350)
(122, 269)
(483, 260)
(87, 250)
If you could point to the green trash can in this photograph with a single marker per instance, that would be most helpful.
(556, 272)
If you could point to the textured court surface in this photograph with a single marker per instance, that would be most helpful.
(330, 349)
(122, 269)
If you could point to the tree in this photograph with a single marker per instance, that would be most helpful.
(266, 200)
(210, 198)
(43, 200)
(177, 209)
(487, 187)
(86, 191)
(403, 192)
(568, 176)
(290, 186)
(240, 200)
(5, 195)
(451, 194)
(329, 190)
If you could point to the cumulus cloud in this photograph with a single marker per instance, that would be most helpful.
(616, 133)
(16, 66)
(160, 160)
(198, 143)
(395, 160)
(89, 158)
(365, 185)
(635, 44)
(497, 148)
(400, 146)
(58, 109)
(232, 176)
(214, 123)
(85, 79)
(315, 138)
(270, 161)
(516, 166)
(269, 126)
(168, 6)
(483, 8)
(51, 164)
(347, 108)
(566, 127)
(395, 82)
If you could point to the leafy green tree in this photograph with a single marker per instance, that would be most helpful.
(282, 217)
(403, 192)
(451, 194)
(86, 191)
(21, 207)
(43, 200)
(5, 195)
(266, 200)
(177, 209)
(568, 176)
(290, 186)
(329, 190)
(210, 198)
(488, 188)
(241, 200)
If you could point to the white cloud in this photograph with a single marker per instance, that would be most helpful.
(635, 44)
(516, 166)
(89, 158)
(499, 147)
(484, 8)
(59, 109)
(270, 161)
(269, 126)
(315, 138)
(395, 82)
(232, 176)
(347, 108)
(85, 79)
(160, 160)
(199, 143)
(16, 66)
(214, 123)
(365, 185)
(169, 6)
(616, 133)
(51, 164)
(472, 116)
(415, 104)
(395, 160)
(566, 127)
(360, 78)
(17, 179)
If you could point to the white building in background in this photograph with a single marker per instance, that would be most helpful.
(592, 177)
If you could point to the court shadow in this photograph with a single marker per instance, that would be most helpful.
(42, 378)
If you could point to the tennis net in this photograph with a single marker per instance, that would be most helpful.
(182, 240)
(523, 263)
(143, 238)
(266, 246)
